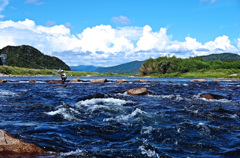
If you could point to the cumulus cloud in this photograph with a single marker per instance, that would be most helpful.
(3, 4)
(121, 20)
(35, 2)
(103, 45)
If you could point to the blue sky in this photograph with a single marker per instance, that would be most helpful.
(111, 32)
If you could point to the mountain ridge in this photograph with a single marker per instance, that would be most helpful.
(85, 68)
(29, 57)
(221, 57)
(130, 67)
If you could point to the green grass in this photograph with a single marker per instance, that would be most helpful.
(12, 70)
(219, 73)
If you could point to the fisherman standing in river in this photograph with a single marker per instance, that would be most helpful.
(63, 76)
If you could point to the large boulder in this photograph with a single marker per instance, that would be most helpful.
(55, 81)
(75, 80)
(137, 91)
(99, 80)
(3, 81)
(12, 145)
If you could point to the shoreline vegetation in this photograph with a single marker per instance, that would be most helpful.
(194, 67)
(12, 71)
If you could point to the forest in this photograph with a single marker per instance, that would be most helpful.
(170, 65)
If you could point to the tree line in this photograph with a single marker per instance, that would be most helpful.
(163, 65)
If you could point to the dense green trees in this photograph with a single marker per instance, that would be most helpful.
(163, 65)
(29, 57)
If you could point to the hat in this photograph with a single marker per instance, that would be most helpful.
(62, 71)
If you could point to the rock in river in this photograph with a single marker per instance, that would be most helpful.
(209, 96)
(121, 81)
(75, 80)
(3, 81)
(55, 81)
(11, 145)
(198, 80)
(137, 91)
(99, 80)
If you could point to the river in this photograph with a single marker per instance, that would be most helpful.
(100, 120)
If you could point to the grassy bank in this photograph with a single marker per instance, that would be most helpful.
(19, 71)
(218, 73)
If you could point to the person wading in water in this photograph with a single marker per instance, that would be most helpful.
(63, 76)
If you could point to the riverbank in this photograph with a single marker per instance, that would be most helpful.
(11, 71)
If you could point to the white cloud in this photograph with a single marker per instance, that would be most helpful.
(98, 38)
(152, 40)
(238, 44)
(121, 20)
(103, 45)
(3, 4)
(35, 2)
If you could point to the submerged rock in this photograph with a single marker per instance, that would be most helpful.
(137, 91)
(3, 81)
(11, 145)
(210, 96)
(99, 80)
(75, 80)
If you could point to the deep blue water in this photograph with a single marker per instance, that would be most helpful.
(101, 120)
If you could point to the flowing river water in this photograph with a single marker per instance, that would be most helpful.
(100, 120)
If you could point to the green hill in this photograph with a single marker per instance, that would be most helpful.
(221, 57)
(29, 57)
(131, 67)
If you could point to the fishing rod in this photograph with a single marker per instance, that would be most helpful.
(39, 66)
